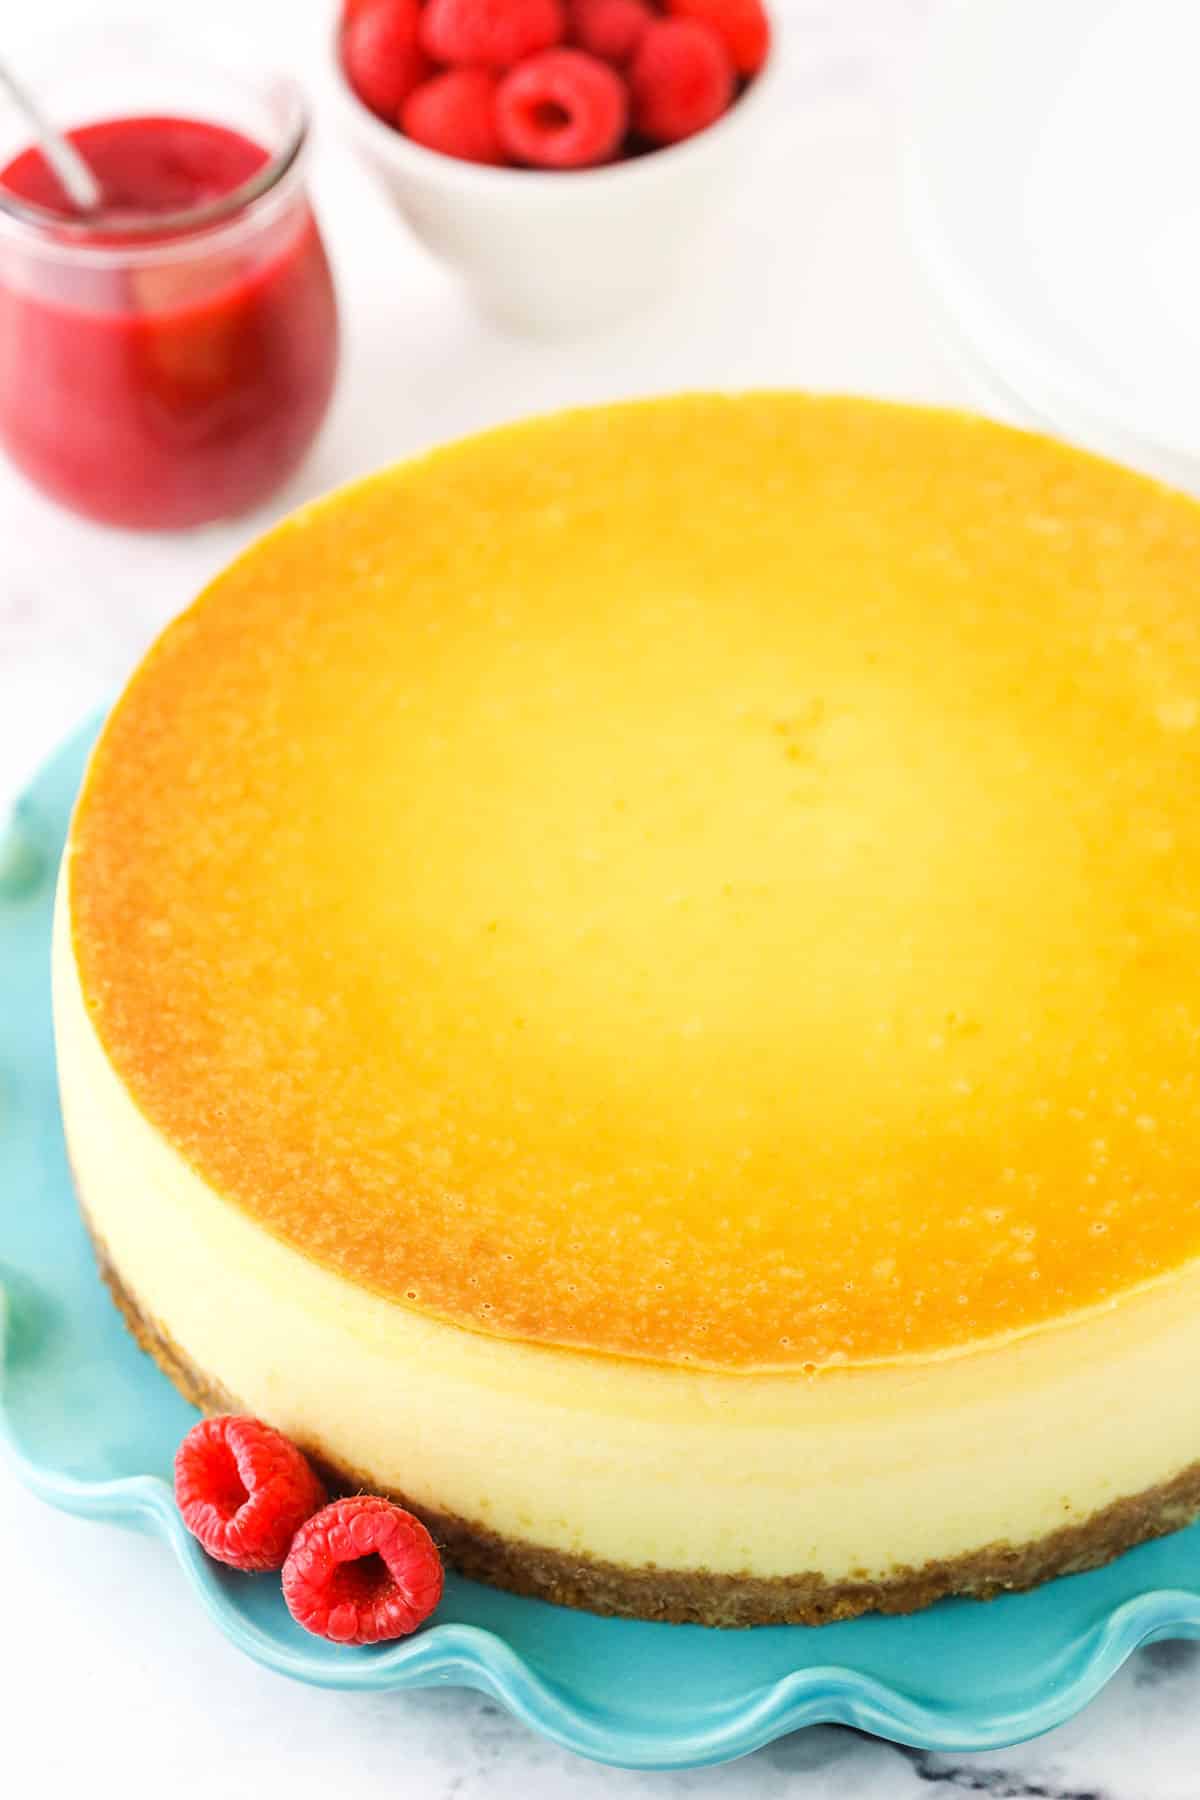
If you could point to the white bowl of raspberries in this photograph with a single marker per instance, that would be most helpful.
(559, 154)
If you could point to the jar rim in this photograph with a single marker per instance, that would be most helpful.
(156, 233)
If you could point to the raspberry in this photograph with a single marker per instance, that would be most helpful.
(609, 29)
(244, 1490)
(456, 114)
(496, 33)
(362, 1571)
(740, 24)
(381, 55)
(562, 110)
(681, 80)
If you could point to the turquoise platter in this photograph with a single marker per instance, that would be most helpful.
(91, 1425)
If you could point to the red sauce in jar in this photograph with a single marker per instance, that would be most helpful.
(162, 380)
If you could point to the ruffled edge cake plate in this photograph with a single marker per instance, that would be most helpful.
(90, 1424)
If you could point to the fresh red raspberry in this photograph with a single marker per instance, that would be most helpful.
(382, 56)
(609, 29)
(456, 114)
(244, 1490)
(681, 80)
(562, 110)
(742, 26)
(362, 1571)
(494, 33)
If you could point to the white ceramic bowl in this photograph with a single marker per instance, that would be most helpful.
(554, 252)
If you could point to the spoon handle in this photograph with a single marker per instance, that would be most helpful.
(81, 186)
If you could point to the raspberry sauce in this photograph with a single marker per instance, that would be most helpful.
(157, 369)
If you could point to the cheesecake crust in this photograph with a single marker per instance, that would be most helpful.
(698, 1597)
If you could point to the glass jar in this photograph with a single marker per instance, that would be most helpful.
(170, 359)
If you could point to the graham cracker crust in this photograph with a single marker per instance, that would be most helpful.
(696, 1597)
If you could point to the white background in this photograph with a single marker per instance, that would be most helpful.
(808, 281)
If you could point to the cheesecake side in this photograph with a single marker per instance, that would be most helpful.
(652, 1491)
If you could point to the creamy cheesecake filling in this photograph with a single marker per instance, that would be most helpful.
(851, 1473)
(708, 882)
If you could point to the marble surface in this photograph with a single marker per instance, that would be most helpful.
(809, 280)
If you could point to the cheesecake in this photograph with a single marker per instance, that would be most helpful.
(634, 983)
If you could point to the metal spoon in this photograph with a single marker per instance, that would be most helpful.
(81, 187)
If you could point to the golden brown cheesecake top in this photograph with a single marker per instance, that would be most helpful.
(713, 880)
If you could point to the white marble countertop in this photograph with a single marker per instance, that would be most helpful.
(810, 282)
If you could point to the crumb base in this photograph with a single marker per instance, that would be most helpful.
(697, 1596)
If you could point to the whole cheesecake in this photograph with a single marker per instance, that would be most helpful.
(635, 983)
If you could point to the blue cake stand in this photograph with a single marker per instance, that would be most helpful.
(91, 1425)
